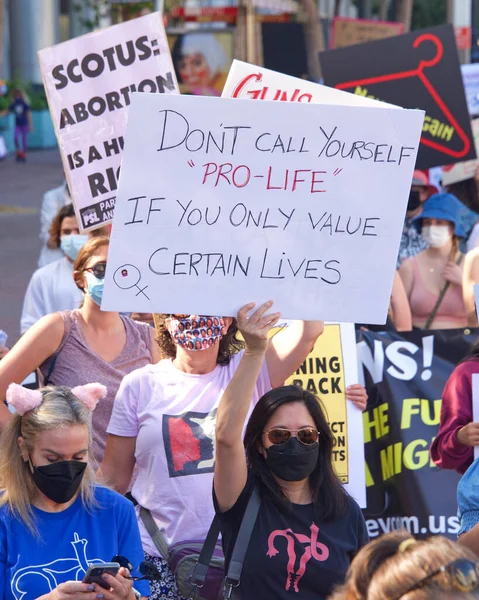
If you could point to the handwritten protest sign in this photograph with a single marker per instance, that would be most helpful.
(257, 83)
(223, 201)
(463, 170)
(89, 82)
(327, 371)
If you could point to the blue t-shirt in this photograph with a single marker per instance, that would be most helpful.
(69, 541)
(20, 109)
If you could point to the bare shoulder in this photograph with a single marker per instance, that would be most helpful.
(48, 330)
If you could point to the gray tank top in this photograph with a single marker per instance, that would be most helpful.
(75, 363)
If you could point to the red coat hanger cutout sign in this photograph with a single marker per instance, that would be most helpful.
(419, 72)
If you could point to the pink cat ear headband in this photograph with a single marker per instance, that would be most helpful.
(22, 399)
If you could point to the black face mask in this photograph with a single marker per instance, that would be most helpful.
(59, 481)
(292, 461)
(414, 201)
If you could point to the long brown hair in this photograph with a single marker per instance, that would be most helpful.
(392, 564)
(88, 250)
(228, 346)
(56, 226)
(59, 408)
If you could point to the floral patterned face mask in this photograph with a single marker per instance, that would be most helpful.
(193, 332)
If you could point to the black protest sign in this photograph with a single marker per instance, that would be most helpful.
(415, 70)
(405, 375)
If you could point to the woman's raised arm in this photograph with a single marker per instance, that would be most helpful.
(230, 467)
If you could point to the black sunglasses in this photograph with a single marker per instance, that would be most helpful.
(463, 574)
(98, 270)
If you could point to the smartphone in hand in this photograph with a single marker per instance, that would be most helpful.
(95, 572)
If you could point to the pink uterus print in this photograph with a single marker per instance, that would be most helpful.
(35, 580)
(313, 549)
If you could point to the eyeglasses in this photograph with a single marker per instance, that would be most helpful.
(306, 435)
(98, 270)
(462, 572)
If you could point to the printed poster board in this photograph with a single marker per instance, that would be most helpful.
(415, 70)
(89, 82)
(201, 59)
(222, 201)
(247, 81)
(328, 370)
(348, 32)
(470, 77)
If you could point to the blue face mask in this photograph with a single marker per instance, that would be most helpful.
(72, 244)
(94, 287)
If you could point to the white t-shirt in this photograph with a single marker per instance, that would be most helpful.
(51, 289)
(172, 414)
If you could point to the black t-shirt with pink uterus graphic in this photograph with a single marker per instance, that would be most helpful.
(293, 555)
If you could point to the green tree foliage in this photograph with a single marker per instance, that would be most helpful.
(425, 13)
(428, 13)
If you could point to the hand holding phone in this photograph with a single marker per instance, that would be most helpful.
(95, 573)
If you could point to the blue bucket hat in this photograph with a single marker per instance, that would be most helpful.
(442, 206)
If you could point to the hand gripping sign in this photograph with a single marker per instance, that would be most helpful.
(223, 200)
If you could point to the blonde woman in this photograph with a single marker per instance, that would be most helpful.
(54, 520)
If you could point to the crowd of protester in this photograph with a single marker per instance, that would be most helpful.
(138, 437)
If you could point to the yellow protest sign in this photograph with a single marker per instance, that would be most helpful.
(322, 373)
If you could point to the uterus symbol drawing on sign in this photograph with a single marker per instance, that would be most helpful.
(128, 277)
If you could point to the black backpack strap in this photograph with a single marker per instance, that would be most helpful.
(46, 380)
(200, 571)
(235, 568)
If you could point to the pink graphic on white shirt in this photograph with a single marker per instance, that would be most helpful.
(313, 549)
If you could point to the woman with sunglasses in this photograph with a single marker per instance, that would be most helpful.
(308, 528)
(76, 346)
(398, 567)
(163, 425)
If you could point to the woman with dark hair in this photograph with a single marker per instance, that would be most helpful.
(453, 447)
(163, 423)
(287, 455)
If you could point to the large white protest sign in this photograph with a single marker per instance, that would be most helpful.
(89, 82)
(224, 201)
(246, 81)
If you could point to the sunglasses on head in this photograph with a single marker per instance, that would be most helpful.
(462, 572)
(98, 270)
(306, 435)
